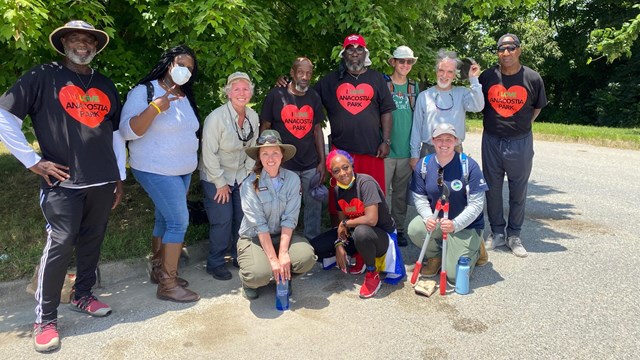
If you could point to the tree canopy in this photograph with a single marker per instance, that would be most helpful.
(560, 39)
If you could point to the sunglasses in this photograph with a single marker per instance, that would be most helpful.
(440, 176)
(267, 139)
(443, 108)
(406, 61)
(245, 138)
(511, 48)
(352, 50)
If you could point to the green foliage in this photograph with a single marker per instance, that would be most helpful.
(615, 43)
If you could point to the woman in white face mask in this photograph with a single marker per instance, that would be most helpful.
(160, 120)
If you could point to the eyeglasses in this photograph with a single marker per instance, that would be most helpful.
(267, 139)
(406, 61)
(440, 176)
(511, 48)
(352, 50)
(444, 108)
(248, 137)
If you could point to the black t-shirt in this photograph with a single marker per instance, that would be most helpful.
(74, 127)
(510, 101)
(295, 117)
(363, 193)
(354, 106)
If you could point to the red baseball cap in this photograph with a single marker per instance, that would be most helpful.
(354, 39)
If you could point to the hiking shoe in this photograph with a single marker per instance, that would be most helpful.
(483, 258)
(359, 266)
(494, 241)
(515, 244)
(220, 273)
(402, 241)
(431, 268)
(45, 336)
(371, 285)
(90, 305)
(249, 293)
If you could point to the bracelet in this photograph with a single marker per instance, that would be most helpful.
(340, 242)
(155, 107)
(344, 222)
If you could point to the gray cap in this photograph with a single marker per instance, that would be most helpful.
(444, 128)
(515, 41)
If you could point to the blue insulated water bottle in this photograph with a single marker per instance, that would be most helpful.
(462, 275)
(282, 295)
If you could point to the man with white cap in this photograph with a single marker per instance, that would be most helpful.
(397, 170)
(359, 107)
(75, 113)
(515, 95)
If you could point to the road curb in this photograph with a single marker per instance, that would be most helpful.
(12, 292)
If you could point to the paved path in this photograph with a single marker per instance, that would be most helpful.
(575, 296)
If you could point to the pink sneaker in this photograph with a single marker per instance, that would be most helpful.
(45, 336)
(371, 285)
(90, 305)
(359, 267)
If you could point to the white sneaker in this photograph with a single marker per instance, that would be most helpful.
(494, 241)
(515, 244)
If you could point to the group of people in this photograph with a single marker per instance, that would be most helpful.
(388, 139)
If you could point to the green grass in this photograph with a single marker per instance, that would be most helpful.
(599, 136)
(128, 236)
(22, 234)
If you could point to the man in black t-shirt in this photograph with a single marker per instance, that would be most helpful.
(513, 96)
(359, 106)
(75, 112)
(296, 113)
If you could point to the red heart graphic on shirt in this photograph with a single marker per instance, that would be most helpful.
(354, 99)
(507, 102)
(353, 209)
(88, 108)
(297, 121)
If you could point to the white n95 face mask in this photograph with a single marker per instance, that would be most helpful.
(180, 75)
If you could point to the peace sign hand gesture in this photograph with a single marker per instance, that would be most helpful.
(163, 102)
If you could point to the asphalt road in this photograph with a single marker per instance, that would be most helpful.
(575, 296)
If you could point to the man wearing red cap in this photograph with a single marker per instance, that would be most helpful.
(359, 106)
(75, 113)
(514, 96)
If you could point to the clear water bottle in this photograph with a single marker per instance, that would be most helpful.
(282, 295)
(462, 275)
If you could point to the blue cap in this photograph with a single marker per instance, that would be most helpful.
(464, 260)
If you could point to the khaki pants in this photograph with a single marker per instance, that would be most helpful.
(255, 269)
(461, 243)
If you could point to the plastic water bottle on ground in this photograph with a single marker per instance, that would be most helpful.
(282, 295)
(462, 275)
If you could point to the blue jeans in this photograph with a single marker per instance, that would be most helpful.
(312, 207)
(169, 195)
(224, 224)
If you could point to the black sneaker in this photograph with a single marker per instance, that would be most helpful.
(220, 273)
(401, 240)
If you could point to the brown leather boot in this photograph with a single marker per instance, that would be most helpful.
(168, 288)
(483, 259)
(156, 262)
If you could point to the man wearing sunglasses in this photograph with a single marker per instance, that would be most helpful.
(444, 103)
(397, 170)
(514, 95)
(359, 107)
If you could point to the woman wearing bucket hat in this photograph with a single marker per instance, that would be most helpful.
(271, 198)
(227, 132)
(160, 120)
(366, 230)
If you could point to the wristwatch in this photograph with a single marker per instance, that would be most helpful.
(387, 141)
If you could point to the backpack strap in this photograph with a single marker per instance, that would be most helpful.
(464, 162)
(412, 93)
(150, 91)
(423, 166)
